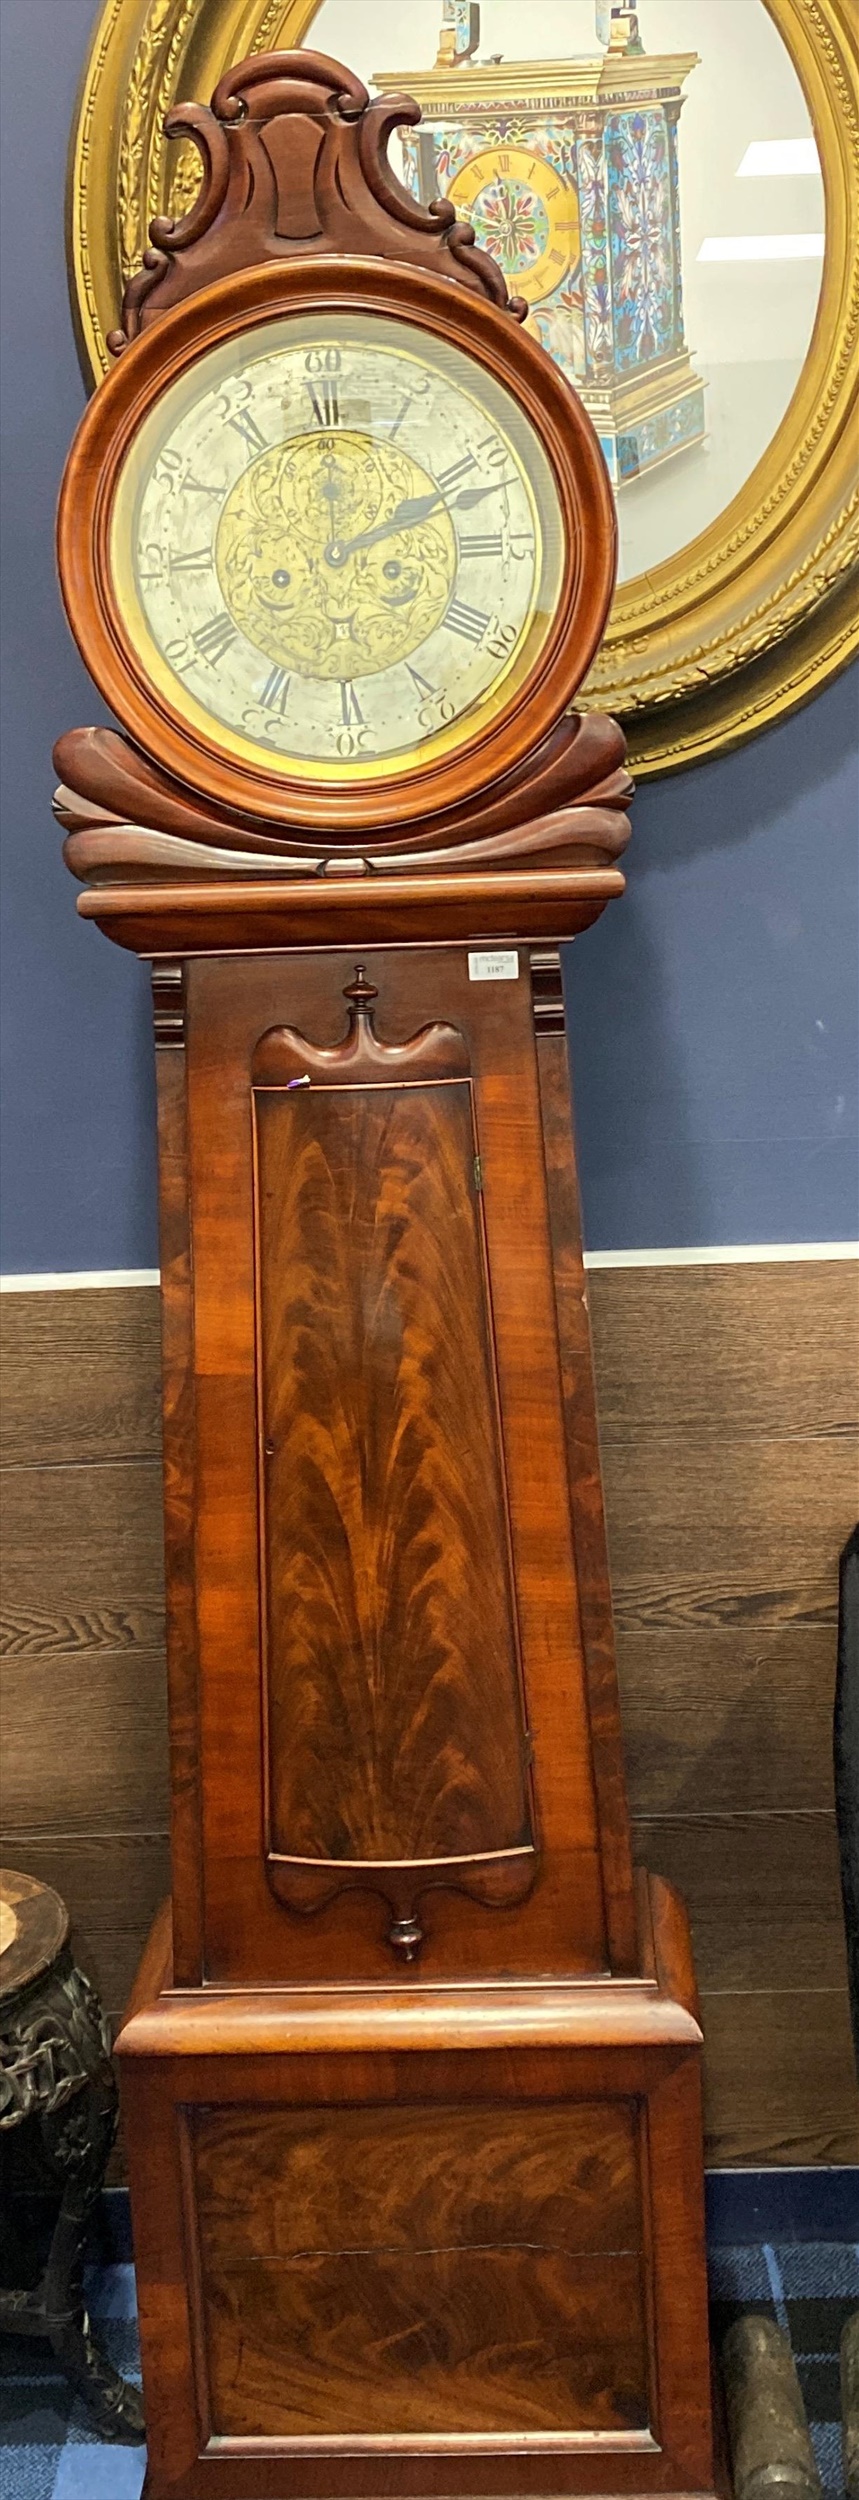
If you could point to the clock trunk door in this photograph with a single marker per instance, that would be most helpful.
(395, 1755)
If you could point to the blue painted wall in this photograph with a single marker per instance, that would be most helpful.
(713, 1012)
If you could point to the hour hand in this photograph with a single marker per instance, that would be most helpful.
(414, 508)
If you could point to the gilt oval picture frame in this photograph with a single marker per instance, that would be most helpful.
(675, 346)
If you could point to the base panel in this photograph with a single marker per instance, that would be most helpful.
(422, 2242)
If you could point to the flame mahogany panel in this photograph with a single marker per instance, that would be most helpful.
(254, 1027)
(421, 2271)
(395, 1728)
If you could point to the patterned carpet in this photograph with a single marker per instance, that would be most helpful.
(47, 2449)
(48, 2452)
(809, 2287)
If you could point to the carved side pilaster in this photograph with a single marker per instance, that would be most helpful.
(168, 1004)
(547, 989)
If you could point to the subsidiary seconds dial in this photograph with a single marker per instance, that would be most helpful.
(337, 544)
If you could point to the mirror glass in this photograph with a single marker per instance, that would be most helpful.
(649, 178)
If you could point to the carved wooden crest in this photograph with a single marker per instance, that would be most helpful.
(295, 161)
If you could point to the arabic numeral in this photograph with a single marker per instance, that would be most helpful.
(323, 360)
(151, 565)
(500, 642)
(171, 471)
(438, 713)
(179, 653)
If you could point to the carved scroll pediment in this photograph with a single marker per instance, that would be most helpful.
(286, 1058)
(295, 160)
(127, 818)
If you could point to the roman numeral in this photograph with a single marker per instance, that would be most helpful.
(214, 639)
(492, 544)
(324, 400)
(470, 622)
(199, 560)
(350, 706)
(407, 403)
(246, 425)
(446, 478)
(421, 684)
(275, 692)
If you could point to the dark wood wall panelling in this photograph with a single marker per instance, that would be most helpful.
(727, 1400)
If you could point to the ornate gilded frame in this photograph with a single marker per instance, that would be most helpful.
(759, 611)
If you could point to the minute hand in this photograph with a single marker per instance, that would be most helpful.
(413, 509)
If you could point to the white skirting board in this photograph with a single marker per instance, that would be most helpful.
(712, 1254)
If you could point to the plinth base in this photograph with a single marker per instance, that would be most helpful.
(422, 2241)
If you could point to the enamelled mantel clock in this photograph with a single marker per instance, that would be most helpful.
(411, 2072)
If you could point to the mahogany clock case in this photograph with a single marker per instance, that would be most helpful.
(411, 2074)
(237, 305)
(416, 2172)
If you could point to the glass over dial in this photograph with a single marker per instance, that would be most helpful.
(338, 546)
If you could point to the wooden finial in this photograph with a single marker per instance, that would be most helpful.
(360, 994)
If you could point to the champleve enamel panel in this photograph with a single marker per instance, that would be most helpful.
(338, 542)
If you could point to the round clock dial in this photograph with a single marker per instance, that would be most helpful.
(523, 213)
(337, 546)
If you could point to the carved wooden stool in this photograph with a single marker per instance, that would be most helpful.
(58, 2112)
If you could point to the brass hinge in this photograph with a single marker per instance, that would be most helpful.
(478, 1173)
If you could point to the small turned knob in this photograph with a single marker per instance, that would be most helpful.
(360, 992)
(406, 1935)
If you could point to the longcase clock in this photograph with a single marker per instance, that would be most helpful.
(411, 2072)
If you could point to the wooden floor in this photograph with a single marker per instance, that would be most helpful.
(728, 1400)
